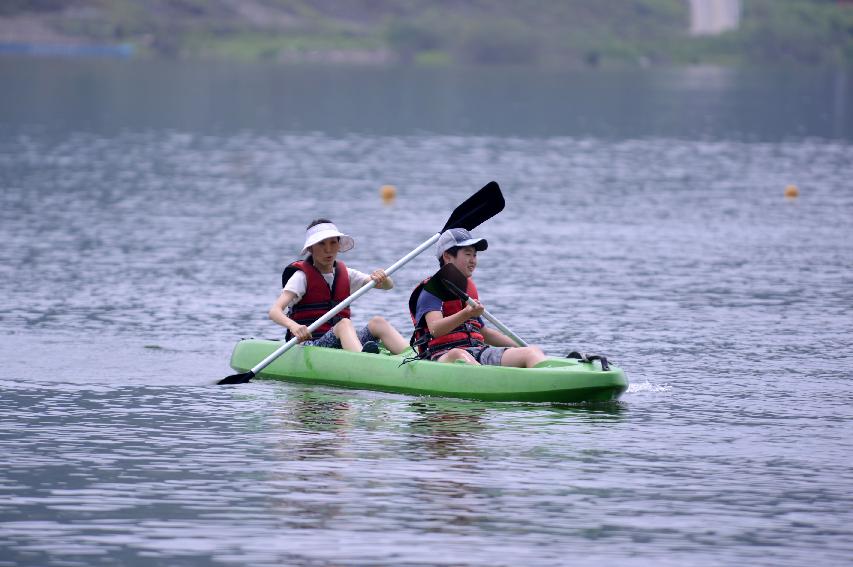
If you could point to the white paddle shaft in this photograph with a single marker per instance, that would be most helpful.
(503, 328)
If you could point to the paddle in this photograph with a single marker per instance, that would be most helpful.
(455, 281)
(477, 209)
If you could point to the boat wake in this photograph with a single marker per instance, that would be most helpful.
(647, 386)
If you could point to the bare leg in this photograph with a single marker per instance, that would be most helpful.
(458, 354)
(345, 331)
(385, 332)
(522, 357)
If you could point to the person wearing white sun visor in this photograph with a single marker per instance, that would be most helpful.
(316, 284)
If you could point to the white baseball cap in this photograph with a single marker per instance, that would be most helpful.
(322, 231)
(458, 237)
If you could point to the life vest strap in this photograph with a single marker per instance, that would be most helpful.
(438, 350)
(421, 340)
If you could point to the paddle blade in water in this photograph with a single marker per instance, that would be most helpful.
(238, 378)
(477, 209)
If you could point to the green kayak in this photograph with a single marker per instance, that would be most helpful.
(561, 380)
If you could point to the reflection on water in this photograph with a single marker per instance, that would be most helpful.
(313, 412)
(703, 102)
(443, 431)
(268, 473)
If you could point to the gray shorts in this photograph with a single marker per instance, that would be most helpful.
(485, 355)
(488, 355)
(330, 340)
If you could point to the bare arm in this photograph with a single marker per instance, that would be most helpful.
(276, 313)
(496, 338)
(440, 326)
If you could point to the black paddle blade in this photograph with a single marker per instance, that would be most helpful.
(477, 209)
(448, 283)
(456, 290)
(238, 378)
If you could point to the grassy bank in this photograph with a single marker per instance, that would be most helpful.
(549, 33)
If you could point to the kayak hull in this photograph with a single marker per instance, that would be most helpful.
(557, 380)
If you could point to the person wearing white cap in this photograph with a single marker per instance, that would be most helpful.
(313, 286)
(448, 330)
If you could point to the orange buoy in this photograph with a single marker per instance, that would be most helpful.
(791, 192)
(388, 194)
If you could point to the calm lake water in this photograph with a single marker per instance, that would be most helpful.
(146, 212)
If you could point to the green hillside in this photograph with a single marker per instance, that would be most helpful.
(553, 33)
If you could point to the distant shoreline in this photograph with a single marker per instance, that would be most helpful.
(557, 34)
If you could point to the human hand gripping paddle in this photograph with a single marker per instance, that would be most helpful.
(477, 209)
(455, 282)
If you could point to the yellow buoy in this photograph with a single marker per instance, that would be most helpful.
(791, 192)
(388, 193)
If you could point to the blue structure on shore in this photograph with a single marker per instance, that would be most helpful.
(114, 51)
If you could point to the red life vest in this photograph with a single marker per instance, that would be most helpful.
(466, 335)
(319, 299)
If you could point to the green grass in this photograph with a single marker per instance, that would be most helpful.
(253, 46)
